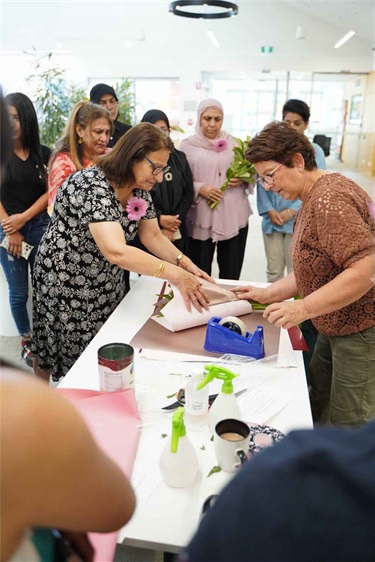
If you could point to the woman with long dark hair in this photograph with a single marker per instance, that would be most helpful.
(23, 205)
(173, 196)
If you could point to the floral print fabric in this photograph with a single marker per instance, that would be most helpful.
(75, 287)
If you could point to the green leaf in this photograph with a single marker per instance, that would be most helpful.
(212, 438)
(171, 395)
(164, 435)
(203, 448)
(213, 470)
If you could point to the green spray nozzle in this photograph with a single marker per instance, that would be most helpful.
(216, 372)
(178, 428)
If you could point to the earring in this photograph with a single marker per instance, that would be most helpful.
(300, 169)
(80, 141)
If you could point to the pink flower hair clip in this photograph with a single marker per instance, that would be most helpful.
(220, 145)
(136, 208)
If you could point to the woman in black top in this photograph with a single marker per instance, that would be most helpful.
(172, 197)
(23, 205)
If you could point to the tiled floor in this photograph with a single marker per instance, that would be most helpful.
(254, 269)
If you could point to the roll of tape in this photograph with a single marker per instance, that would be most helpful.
(234, 324)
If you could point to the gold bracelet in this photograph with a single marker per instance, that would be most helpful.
(160, 269)
(179, 258)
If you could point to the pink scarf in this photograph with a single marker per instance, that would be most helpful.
(199, 140)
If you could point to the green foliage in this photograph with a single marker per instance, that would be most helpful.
(54, 97)
(126, 100)
(240, 168)
(213, 470)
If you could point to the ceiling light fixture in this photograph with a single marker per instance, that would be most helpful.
(190, 9)
(213, 38)
(344, 39)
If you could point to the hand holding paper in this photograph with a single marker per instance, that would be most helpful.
(222, 302)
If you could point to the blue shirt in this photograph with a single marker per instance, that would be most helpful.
(270, 201)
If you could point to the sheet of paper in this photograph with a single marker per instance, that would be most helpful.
(176, 317)
(161, 355)
(114, 421)
(222, 302)
(258, 404)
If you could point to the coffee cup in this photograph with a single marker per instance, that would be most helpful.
(116, 367)
(231, 442)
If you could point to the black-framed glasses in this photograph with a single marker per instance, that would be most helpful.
(158, 169)
(267, 180)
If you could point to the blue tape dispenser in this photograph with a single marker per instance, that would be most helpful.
(229, 335)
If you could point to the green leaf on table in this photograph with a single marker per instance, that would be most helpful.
(203, 448)
(212, 438)
(164, 435)
(171, 395)
(213, 470)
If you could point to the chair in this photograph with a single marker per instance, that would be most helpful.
(324, 142)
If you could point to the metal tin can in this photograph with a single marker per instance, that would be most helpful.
(116, 367)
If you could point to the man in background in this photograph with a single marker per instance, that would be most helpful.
(105, 95)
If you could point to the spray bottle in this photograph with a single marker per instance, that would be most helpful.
(196, 402)
(225, 405)
(178, 462)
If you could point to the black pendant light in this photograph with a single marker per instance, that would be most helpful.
(225, 9)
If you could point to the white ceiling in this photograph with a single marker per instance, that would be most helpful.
(97, 33)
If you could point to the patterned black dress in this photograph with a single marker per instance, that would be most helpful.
(75, 287)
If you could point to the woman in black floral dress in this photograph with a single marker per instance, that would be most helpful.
(78, 278)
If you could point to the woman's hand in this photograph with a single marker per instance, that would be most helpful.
(276, 218)
(167, 233)
(286, 314)
(15, 244)
(211, 193)
(189, 266)
(235, 182)
(13, 223)
(170, 222)
(192, 291)
(251, 293)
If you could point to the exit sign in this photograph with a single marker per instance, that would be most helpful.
(266, 49)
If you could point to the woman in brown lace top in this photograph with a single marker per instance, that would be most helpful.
(333, 260)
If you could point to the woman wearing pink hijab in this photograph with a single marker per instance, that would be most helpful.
(209, 153)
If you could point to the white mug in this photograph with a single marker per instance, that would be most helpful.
(231, 444)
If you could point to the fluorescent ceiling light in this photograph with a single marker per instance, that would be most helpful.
(212, 36)
(344, 39)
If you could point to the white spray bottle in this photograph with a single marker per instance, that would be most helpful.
(225, 405)
(178, 462)
(196, 402)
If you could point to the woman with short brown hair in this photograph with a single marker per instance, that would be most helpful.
(333, 261)
(79, 277)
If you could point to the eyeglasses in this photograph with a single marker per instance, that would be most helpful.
(158, 169)
(267, 180)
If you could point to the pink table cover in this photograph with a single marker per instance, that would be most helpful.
(114, 421)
